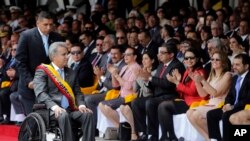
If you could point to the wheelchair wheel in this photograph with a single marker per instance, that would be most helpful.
(32, 128)
(58, 134)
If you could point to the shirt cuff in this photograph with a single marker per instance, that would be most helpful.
(103, 78)
(54, 107)
(150, 78)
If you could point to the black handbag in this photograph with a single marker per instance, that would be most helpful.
(124, 133)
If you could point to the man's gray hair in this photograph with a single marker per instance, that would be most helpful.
(216, 43)
(54, 48)
(112, 39)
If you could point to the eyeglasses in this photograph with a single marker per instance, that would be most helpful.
(187, 58)
(163, 52)
(215, 59)
(120, 38)
(13, 49)
(75, 52)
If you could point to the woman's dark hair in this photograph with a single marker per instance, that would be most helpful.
(238, 39)
(197, 55)
(152, 56)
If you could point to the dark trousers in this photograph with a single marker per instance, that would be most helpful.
(5, 102)
(83, 119)
(92, 102)
(152, 113)
(213, 118)
(166, 110)
(147, 108)
(27, 104)
(138, 107)
(15, 100)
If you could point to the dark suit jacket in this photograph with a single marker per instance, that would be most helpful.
(85, 73)
(244, 94)
(88, 53)
(152, 47)
(108, 81)
(47, 93)
(155, 33)
(162, 86)
(30, 54)
(103, 61)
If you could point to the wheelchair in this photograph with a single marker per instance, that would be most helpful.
(38, 123)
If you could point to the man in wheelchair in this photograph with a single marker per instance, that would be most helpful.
(57, 87)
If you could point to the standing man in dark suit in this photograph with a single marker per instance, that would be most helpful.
(88, 41)
(237, 98)
(56, 86)
(32, 50)
(163, 90)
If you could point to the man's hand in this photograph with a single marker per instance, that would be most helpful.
(227, 107)
(98, 71)
(31, 85)
(84, 109)
(58, 111)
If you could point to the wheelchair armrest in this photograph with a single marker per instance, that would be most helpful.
(39, 107)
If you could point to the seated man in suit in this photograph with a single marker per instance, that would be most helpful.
(105, 81)
(57, 87)
(237, 98)
(162, 90)
(81, 66)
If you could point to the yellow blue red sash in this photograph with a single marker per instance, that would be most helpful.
(62, 85)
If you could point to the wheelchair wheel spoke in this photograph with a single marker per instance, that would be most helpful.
(32, 129)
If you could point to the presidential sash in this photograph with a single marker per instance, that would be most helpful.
(62, 85)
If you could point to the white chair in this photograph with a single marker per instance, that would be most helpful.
(103, 123)
(183, 128)
(14, 116)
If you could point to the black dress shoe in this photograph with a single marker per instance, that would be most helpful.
(153, 138)
(164, 139)
(143, 137)
(96, 132)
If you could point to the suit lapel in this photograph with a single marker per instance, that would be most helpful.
(66, 74)
(244, 82)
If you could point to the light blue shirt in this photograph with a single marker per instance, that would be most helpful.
(45, 39)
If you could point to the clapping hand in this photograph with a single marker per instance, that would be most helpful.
(175, 77)
(112, 69)
(98, 71)
(196, 77)
(143, 74)
(177, 74)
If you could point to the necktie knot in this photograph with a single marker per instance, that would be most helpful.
(60, 71)
(239, 79)
(72, 66)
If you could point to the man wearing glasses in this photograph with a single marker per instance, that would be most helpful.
(81, 66)
(162, 90)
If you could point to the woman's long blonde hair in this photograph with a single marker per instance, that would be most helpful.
(225, 62)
